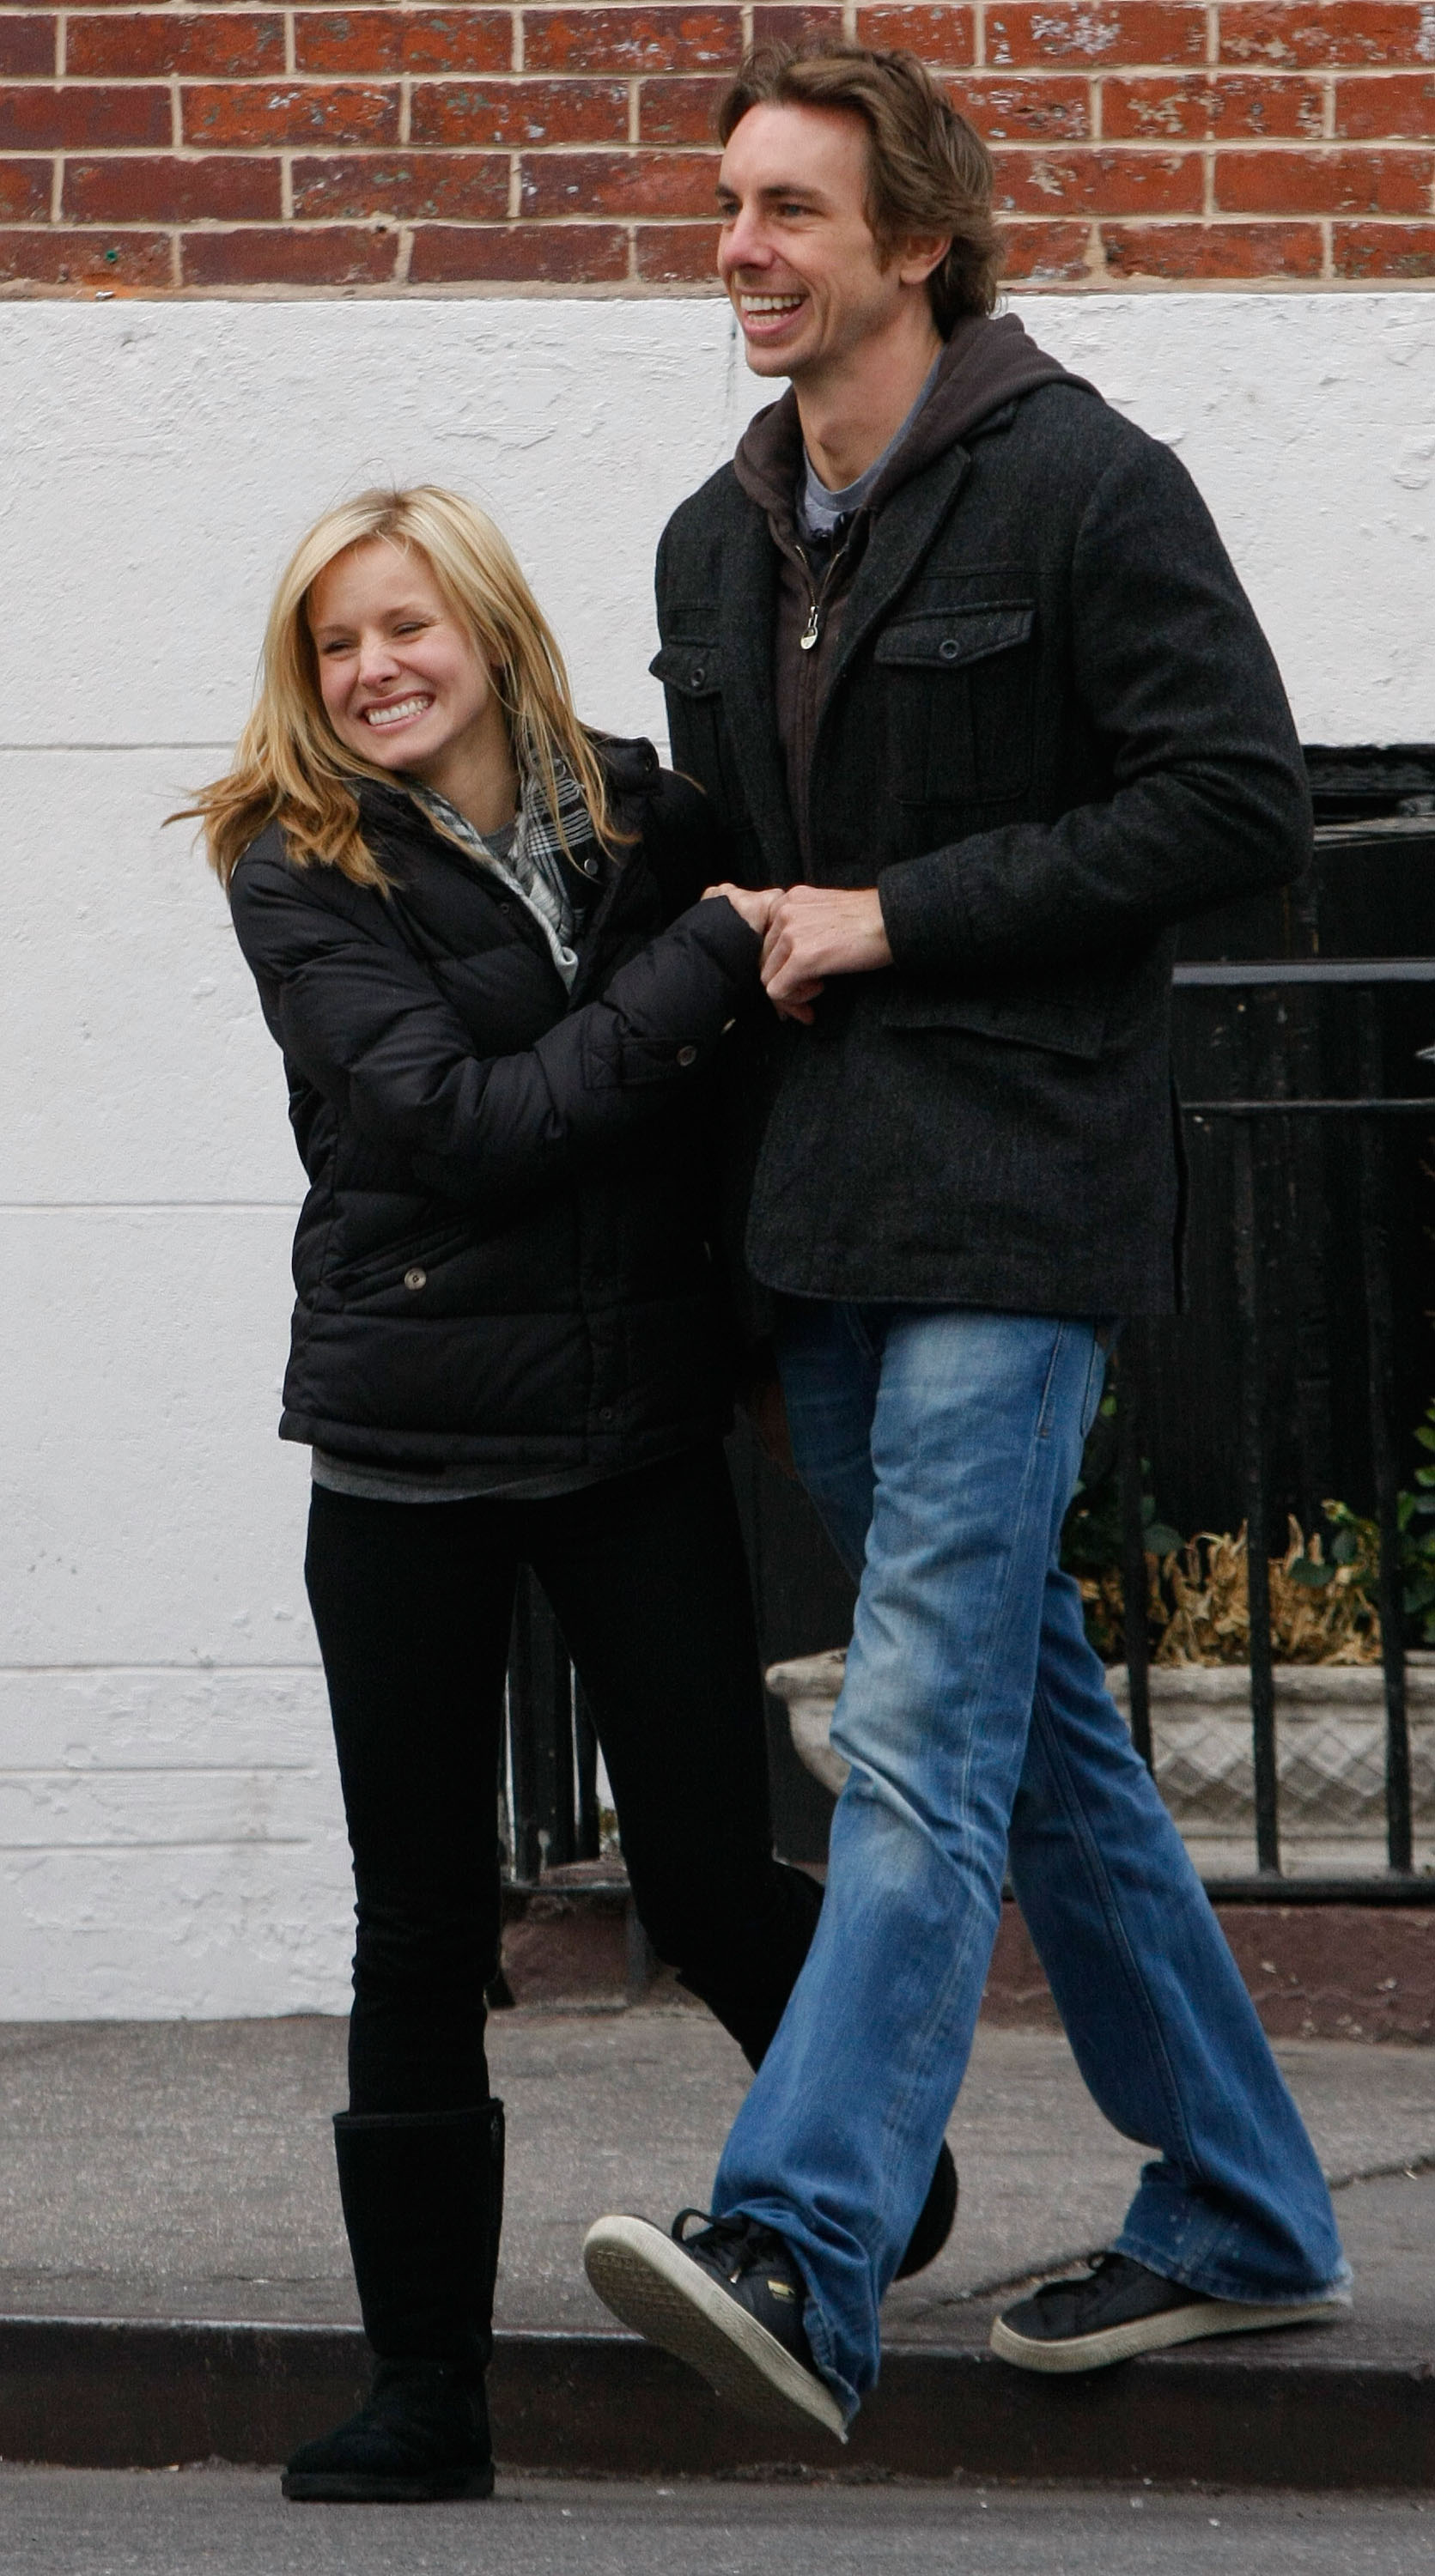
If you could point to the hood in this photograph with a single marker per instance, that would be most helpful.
(986, 364)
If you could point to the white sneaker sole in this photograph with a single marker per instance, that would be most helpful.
(1154, 2334)
(648, 2281)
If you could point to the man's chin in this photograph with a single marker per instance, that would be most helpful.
(766, 359)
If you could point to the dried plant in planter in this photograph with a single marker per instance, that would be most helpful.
(1322, 1609)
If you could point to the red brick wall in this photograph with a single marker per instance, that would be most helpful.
(412, 147)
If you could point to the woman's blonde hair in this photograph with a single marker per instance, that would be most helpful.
(290, 766)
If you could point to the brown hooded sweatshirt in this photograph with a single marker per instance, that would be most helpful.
(985, 365)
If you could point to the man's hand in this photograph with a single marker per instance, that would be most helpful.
(817, 931)
(756, 908)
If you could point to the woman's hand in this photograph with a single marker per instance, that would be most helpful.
(756, 908)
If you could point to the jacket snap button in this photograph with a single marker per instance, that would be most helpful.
(590, 867)
(699, 675)
(415, 1278)
(949, 648)
(605, 1413)
(687, 1055)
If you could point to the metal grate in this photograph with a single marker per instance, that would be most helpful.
(1370, 1113)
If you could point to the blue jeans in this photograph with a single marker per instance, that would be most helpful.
(942, 1448)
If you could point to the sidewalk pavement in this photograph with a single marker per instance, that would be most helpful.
(177, 2181)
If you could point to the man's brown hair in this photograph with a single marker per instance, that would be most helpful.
(929, 170)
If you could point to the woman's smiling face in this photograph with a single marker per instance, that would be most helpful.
(402, 679)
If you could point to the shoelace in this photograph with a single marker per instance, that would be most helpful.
(725, 2238)
(1098, 2270)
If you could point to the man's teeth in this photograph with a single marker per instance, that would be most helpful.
(771, 303)
(397, 712)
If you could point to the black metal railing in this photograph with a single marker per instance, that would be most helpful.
(552, 1784)
(553, 1815)
(1369, 1111)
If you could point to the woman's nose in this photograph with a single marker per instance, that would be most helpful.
(377, 660)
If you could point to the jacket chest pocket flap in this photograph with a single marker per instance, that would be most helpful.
(691, 669)
(958, 684)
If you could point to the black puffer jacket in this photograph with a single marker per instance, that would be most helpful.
(503, 1258)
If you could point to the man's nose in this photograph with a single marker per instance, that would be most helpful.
(743, 245)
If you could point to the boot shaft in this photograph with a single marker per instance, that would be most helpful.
(422, 2195)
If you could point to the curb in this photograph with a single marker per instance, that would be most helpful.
(81, 2392)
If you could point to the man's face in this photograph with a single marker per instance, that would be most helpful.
(796, 253)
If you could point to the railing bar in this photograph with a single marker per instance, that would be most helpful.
(1213, 975)
(1133, 1540)
(558, 1691)
(527, 1849)
(1380, 1888)
(1307, 1108)
(1380, 1348)
(1263, 1700)
(585, 1745)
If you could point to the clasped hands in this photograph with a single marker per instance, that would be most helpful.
(808, 933)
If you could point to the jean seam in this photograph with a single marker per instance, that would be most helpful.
(1099, 1879)
(939, 2004)
(1044, 1409)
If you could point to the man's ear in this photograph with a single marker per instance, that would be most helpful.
(918, 256)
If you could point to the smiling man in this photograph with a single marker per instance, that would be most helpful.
(959, 657)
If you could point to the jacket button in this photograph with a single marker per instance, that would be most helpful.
(416, 1278)
(949, 648)
(605, 1413)
(698, 677)
(590, 867)
(687, 1055)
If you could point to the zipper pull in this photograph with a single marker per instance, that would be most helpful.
(808, 636)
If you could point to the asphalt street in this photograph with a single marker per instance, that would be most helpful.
(233, 2522)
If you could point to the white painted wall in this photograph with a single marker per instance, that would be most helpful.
(170, 1840)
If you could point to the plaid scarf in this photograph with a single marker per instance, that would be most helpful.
(536, 868)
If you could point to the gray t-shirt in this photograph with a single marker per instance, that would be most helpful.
(818, 509)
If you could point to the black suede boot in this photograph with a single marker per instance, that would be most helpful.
(423, 2203)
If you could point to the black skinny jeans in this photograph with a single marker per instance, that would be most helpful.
(413, 1603)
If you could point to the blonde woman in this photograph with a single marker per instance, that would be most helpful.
(478, 937)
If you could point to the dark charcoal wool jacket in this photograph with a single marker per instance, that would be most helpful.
(1052, 728)
(504, 1256)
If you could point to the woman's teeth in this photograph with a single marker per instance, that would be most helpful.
(397, 711)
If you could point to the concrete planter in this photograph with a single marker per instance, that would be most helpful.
(1330, 1747)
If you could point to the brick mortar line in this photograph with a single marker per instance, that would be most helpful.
(381, 223)
(497, 290)
(1330, 81)
(1172, 147)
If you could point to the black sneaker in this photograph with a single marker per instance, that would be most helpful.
(1119, 2308)
(728, 2301)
